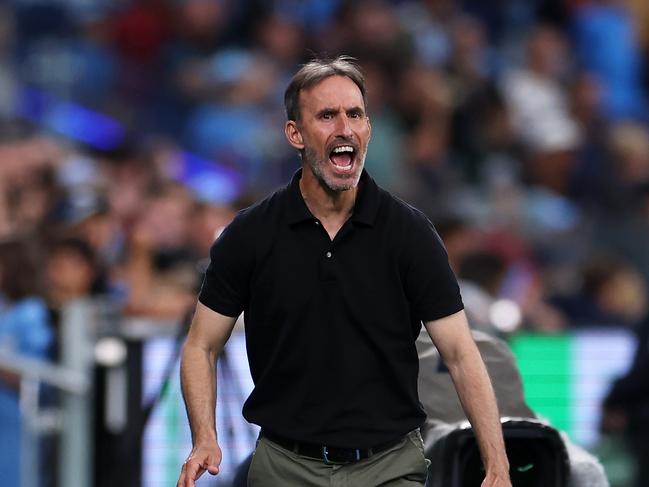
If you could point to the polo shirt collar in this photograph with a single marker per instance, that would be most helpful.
(297, 210)
(365, 208)
(367, 201)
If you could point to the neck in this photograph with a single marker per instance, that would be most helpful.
(323, 203)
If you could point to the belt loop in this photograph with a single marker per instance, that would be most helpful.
(324, 456)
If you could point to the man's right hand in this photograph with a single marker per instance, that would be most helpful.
(202, 458)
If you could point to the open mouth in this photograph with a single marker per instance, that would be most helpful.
(342, 157)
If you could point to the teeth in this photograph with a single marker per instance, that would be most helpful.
(343, 148)
(345, 168)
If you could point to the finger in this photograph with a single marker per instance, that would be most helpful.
(213, 469)
(211, 464)
(194, 472)
(191, 471)
(182, 480)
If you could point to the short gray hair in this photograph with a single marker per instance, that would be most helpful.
(316, 71)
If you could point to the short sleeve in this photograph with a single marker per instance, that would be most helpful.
(225, 287)
(25, 328)
(37, 334)
(431, 285)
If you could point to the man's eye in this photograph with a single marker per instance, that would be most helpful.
(327, 116)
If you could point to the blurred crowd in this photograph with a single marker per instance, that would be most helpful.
(519, 126)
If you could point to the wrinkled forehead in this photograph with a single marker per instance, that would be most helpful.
(335, 92)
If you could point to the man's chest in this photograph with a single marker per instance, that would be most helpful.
(357, 276)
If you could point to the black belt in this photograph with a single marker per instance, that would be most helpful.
(328, 454)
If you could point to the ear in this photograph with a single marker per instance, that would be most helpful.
(369, 126)
(293, 135)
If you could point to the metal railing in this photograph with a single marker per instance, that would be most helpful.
(73, 419)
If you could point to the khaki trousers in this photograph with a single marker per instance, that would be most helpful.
(403, 465)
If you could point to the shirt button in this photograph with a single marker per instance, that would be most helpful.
(328, 254)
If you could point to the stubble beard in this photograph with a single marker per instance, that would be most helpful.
(318, 168)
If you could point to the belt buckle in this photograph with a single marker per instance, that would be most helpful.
(327, 461)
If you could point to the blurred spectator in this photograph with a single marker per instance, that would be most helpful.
(424, 102)
(160, 272)
(622, 227)
(586, 100)
(235, 87)
(203, 23)
(71, 272)
(28, 193)
(469, 62)
(385, 154)
(481, 275)
(506, 288)
(611, 294)
(606, 46)
(129, 174)
(370, 30)
(535, 94)
(495, 19)
(100, 230)
(428, 23)
(426, 93)
(80, 67)
(141, 29)
(282, 39)
(480, 125)
(460, 239)
(551, 160)
(592, 182)
(640, 14)
(24, 329)
(205, 225)
(540, 112)
(630, 146)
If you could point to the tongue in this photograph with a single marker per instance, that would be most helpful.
(343, 159)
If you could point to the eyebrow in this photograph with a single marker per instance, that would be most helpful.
(328, 110)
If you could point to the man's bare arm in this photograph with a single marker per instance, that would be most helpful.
(207, 336)
(453, 339)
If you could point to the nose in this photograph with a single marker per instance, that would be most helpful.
(343, 126)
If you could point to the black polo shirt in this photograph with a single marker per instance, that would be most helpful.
(331, 325)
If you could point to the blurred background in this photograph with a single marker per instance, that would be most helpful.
(131, 131)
